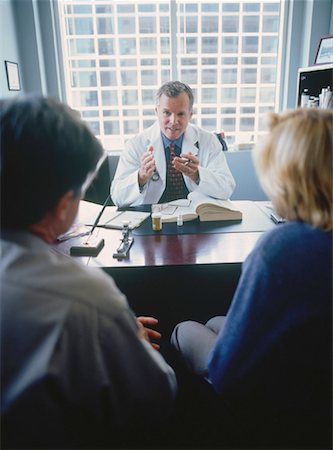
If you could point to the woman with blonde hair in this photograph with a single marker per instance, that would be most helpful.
(270, 358)
(295, 165)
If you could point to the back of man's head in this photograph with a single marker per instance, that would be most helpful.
(46, 151)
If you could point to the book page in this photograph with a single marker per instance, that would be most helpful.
(209, 208)
(170, 211)
(198, 199)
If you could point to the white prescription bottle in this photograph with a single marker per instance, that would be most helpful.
(180, 220)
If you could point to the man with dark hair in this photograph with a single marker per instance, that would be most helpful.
(77, 368)
(42, 158)
(172, 157)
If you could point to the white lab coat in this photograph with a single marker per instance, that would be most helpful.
(216, 179)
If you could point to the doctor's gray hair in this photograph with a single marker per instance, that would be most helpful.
(173, 89)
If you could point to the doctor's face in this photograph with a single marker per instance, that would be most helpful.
(173, 115)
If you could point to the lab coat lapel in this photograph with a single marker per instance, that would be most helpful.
(159, 155)
(190, 140)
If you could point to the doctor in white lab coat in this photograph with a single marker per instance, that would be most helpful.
(142, 170)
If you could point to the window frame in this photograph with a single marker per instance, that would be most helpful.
(291, 29)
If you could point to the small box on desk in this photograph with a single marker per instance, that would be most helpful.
(91, 247)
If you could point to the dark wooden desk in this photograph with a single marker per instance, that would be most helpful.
(180, 250)
(181, 276)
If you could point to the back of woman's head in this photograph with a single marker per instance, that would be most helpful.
(46, 150)
(295, 165)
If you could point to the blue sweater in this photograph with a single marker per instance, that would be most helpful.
(273, 359)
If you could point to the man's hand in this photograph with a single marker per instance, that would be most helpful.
(187, 164)
(147, 166)
(148, 333)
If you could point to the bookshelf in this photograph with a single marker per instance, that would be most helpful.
(314, 78)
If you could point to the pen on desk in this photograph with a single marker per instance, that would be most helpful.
(98, 217)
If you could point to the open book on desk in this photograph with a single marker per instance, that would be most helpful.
(111, 217)
(198, 205)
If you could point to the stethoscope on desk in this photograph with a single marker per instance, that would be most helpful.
(156, 175)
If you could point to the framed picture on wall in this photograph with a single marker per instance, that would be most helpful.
(13, 76)
(324, 53)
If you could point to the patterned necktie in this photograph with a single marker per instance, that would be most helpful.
(175, 186)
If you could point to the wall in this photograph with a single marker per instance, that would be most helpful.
(29, 46)
(27, 37)
(9, 50)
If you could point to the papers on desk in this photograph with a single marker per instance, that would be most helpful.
(134, 218)
(76, 230)
(269, 210)
(111, 217)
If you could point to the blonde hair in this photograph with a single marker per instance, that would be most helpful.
(295, 165)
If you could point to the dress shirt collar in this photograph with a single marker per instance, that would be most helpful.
(178, 142)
